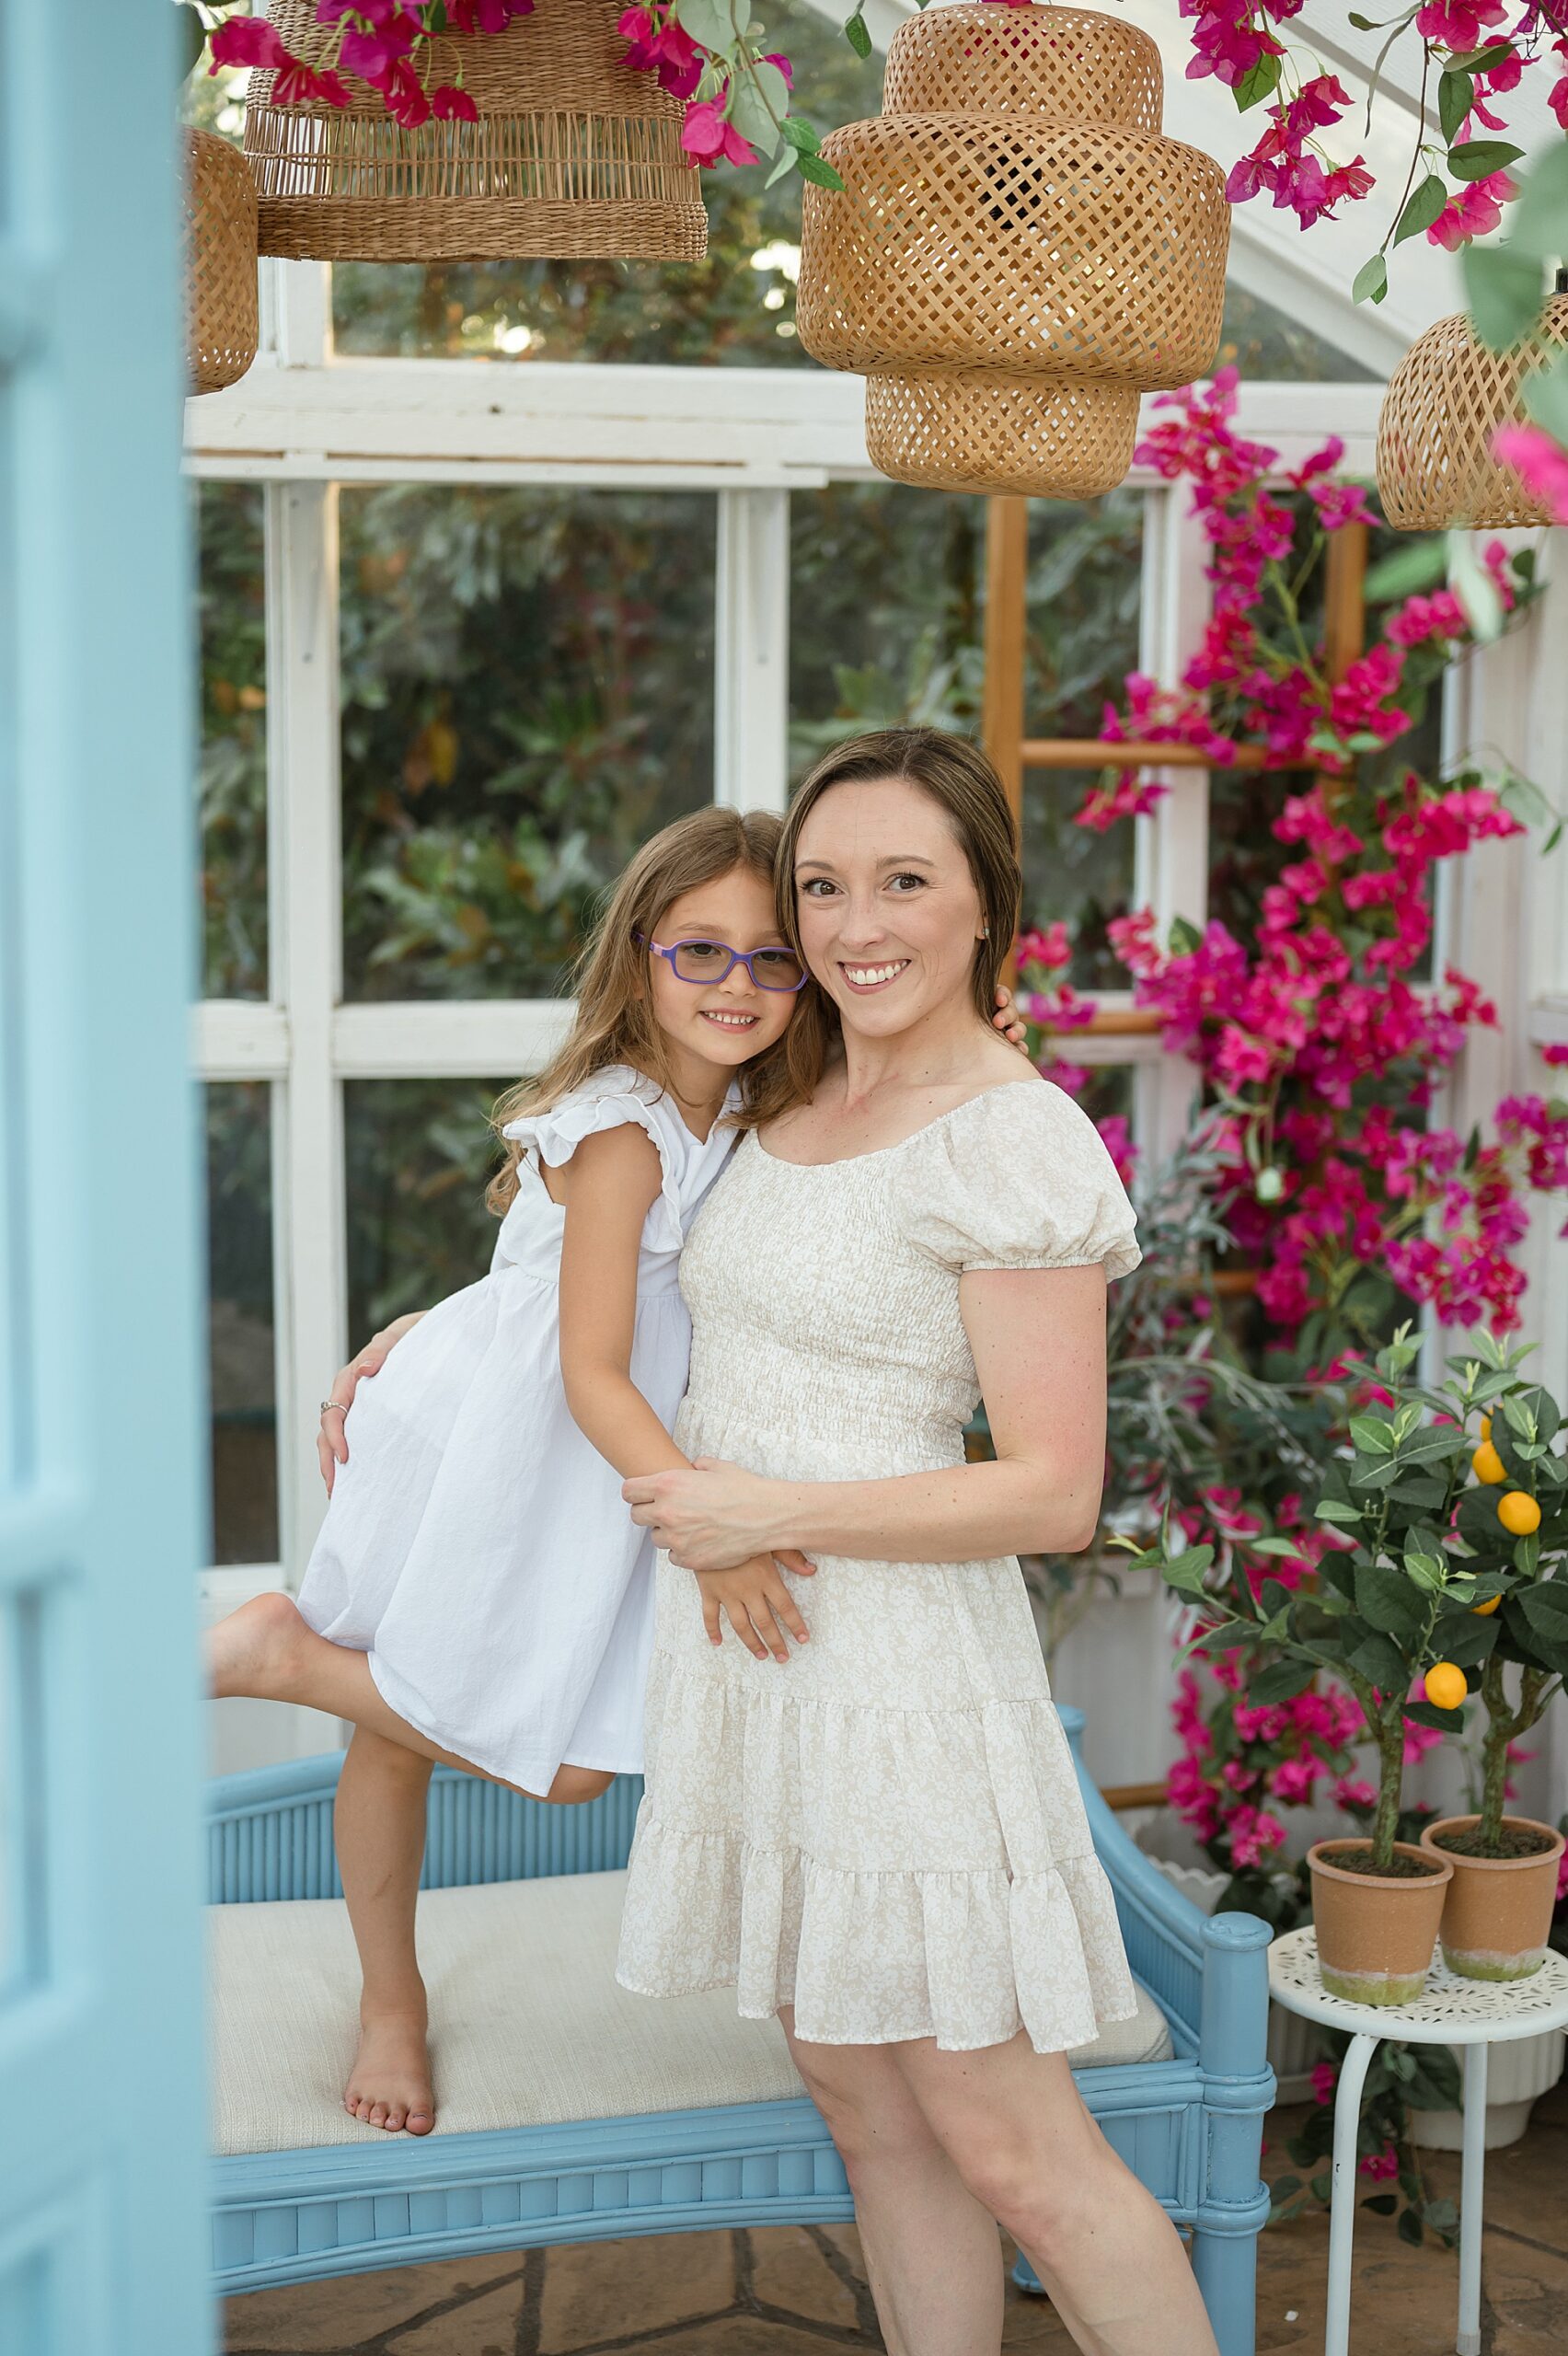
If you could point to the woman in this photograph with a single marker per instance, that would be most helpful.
(886, 1847)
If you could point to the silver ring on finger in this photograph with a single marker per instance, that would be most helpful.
(334, 1407)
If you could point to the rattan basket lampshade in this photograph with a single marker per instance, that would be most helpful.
(1017, 252)
(575, 153)
(1444, 401)
(220, 262)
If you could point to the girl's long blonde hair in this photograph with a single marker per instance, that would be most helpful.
(614, 1018)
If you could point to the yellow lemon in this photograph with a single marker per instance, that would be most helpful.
(1486, 1427)
(1485, 1611)
(1487, 1465)
(1519, 1513)
(1444, 1685)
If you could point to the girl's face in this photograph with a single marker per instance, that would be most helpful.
(888, 910)
(722, 1022)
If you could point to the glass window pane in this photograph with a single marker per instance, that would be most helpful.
(1268, 344)
(242, 1340)
(527, 694)
(234, 740)
(885, 612)
(418, 1155)
(736, 307)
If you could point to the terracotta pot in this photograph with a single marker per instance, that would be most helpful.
(1375, 1938)
(1497, 1914)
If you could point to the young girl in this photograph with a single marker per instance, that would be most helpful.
(479, 1594)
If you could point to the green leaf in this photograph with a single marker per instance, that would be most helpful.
(1545, 1606)
(1388, 1602)
(1370, 1433)
(761, 101)
(714, 25)
(1545, 396)
(1421, 566)
(1442, 2216)
(800, 133)
(1381, 1663)
(1535, 223)
(1474, 587)
(812, 168)
(856, 34)
(1427, 1714)
(1336, 1509)
(1422, 1490)
(783, 162)
(1525, 799)
(1256, 84)
(1456, 96)
(1382, 2204)
(1477, 159)
(1422, 209)
(1182, 937)
(1409, 2227)
(1502, 289)
(1281, 1681)
(1482, 61)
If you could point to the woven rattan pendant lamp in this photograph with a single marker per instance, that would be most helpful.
(221, 321)
(575, 153)
(1017, 252)
(1444, 401)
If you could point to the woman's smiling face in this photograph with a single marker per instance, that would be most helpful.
(887, 907)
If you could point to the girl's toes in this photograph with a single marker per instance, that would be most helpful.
(421, 2122)
(396, 2115)
(378, 2114)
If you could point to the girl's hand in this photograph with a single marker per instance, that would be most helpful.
(757, 1604)
(711, 1519)
(331, 1440)
(1008, 1020)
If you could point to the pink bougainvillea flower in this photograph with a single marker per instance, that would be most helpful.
(663, 48)
(1049, 947)
(709, 139)
(1540, 463)
(1459, 24)
(296, 84)
(249, 41)
(1379, 2164)
(1473, 212)
(1126, 798)
(449, 104)
(486, 15)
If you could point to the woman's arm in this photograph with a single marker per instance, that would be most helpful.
(1038, 1336)
(608, 1187)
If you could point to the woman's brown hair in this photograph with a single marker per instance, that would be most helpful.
(963, 783)
(615, 1022)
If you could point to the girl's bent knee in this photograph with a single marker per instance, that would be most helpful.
(572, 1786)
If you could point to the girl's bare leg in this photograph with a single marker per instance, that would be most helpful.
(379, 1825)
(933, 2258)
(267, 1651)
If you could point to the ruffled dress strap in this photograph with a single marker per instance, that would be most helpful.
(1018, 1177)
(612, 1100)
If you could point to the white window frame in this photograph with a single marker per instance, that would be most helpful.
(302, 424)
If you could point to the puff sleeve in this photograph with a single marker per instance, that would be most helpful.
(1019, 1178)
(609, 1101)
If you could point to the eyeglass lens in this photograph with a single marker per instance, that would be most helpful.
(705, 961)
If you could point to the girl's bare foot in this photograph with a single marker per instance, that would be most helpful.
(253, 1649)
(389, 2085)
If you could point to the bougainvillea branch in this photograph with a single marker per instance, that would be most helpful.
(709, 54)
(1314, 1037)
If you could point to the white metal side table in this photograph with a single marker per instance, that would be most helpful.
(1471, 2012)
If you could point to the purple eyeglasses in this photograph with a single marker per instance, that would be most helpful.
(715, 961)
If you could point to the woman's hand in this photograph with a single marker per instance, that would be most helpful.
(331, 1440)
(711, 1519)
(757, 1604)
(1009, 1022)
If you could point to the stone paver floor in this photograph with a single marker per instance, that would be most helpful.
(801, 2291)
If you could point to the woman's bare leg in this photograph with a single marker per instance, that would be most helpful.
(1016, 2130)
(267, 1651)
(379, 1826)
(933, 2258)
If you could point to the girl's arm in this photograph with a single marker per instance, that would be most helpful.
(608, 1187)
(1038, 1336)
(331, 1440)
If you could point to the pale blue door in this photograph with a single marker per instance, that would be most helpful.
(100, 2096)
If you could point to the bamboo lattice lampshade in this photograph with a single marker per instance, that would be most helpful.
(223, 324)
(575, 153)
(1444, 401)
(1017, 252)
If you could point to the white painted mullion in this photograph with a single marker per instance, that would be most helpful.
(306, 881)
(1170, 856)
(751, 684)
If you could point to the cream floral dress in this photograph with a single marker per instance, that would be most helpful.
(886, 1832)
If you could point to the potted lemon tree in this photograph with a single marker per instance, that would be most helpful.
(1390, 1610)
(1512, 1524)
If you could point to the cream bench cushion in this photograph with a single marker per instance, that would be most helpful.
(528, 2025)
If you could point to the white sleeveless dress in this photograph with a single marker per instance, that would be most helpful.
(887, 1833)
(477, 1547)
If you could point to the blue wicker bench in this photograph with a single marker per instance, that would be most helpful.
(1189, 2124)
